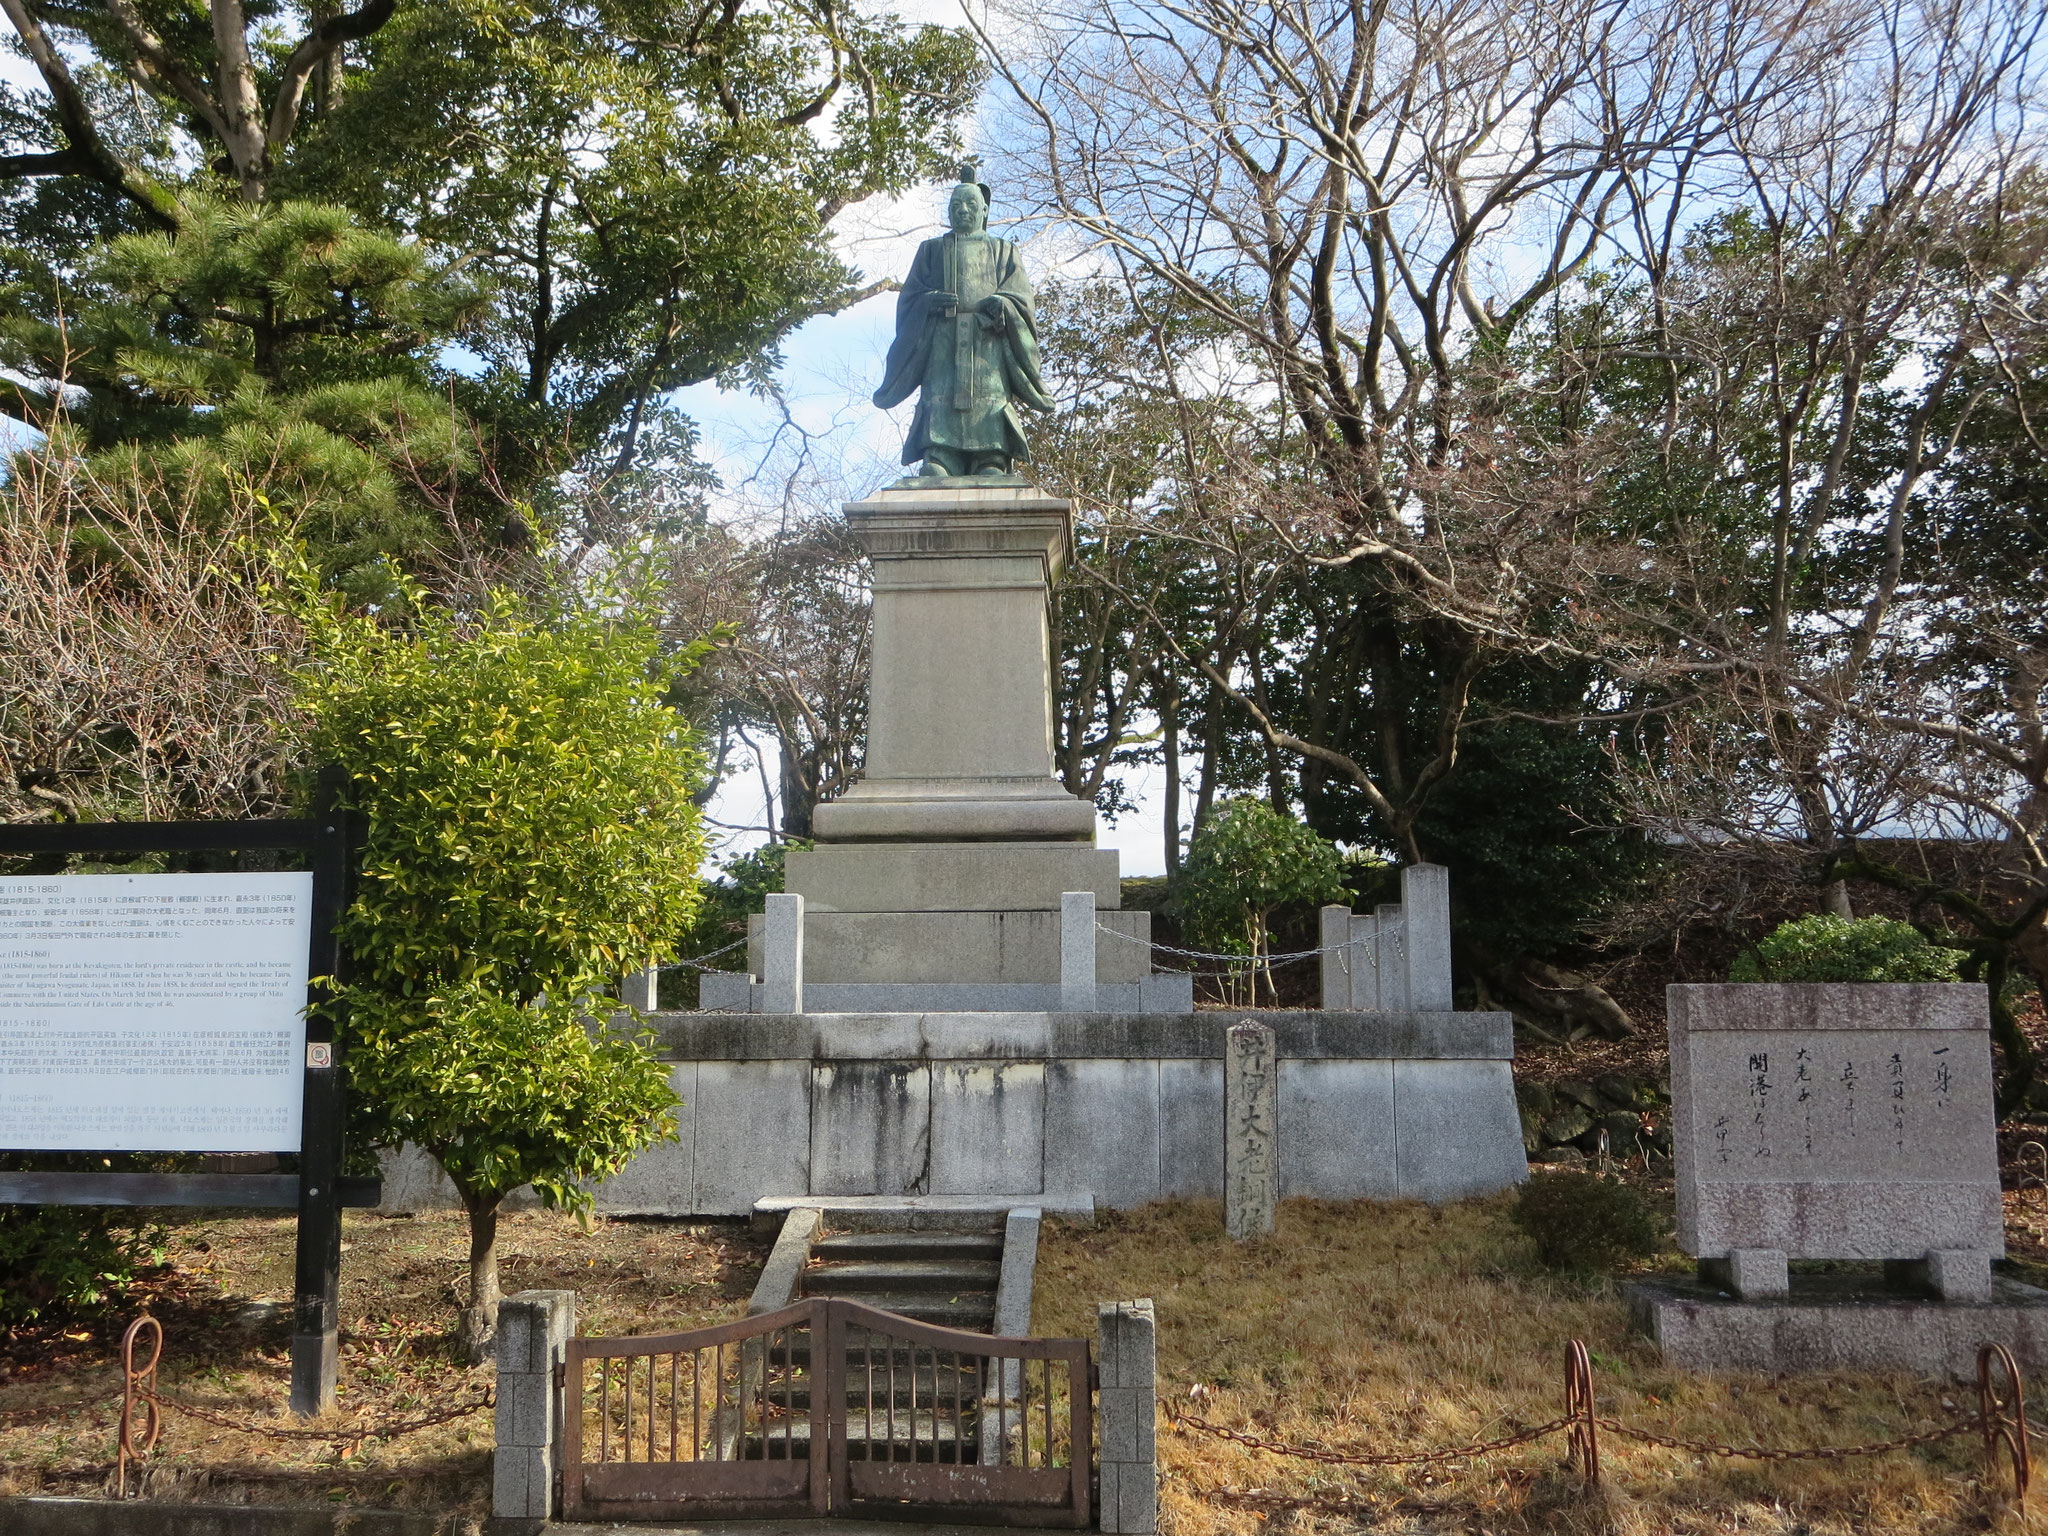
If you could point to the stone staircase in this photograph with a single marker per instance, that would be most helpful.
(945, 1278)
(973, 1275)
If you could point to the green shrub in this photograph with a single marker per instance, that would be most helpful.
(56, 1260)
(529, 835)
(1581, 1221)
(1248, 862)
(1826, 948)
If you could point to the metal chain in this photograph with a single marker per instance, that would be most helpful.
(353, 1434)
(1205, 954)
(1180, 1418)
(1970, 1426)
(681, 965)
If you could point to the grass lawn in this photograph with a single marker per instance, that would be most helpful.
(1383, 1327)
(1367, 1326)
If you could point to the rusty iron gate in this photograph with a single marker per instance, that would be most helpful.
(827, 1407)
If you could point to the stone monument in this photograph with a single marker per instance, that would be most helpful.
(1251, 1130)
(936, 882)
(1837, 1122)
(948, 1012)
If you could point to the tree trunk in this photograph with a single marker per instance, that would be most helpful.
(1212, 753)
(1169, 731)
(477, 1331)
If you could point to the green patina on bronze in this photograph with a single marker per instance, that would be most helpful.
(967, 344)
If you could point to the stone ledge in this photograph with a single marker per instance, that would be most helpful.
(1835, 1323)
(1810, 1005)
(925, 1213)
(37, 1516)
(1301, 1035)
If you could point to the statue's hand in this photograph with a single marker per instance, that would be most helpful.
(995, 316)
(940, 303)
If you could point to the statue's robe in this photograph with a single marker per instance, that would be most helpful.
(973, 373)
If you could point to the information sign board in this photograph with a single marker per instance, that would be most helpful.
(161, 1013)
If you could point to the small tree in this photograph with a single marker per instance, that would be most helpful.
(1250, 861)
(530, 834)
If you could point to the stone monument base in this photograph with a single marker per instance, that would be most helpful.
(1838, 1323)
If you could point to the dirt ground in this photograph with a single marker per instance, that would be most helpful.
(223, 1300)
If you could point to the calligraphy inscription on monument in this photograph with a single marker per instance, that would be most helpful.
(1251, 1130)
(1802, 1128)
(153, 1012)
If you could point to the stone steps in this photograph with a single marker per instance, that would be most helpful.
(856, 1278)
(856, 1246)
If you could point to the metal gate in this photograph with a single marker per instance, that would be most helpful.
(824, 1407)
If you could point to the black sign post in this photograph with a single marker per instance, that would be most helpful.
(317, 1191)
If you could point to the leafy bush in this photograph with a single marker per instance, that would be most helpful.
(1581, 1221)
(1828, 948)
(60, 1259)
(529, 836)
(1248, 862)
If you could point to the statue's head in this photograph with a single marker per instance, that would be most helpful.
(967, 212)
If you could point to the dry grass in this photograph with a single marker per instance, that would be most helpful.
(1356, 1325)
(60, 1393)
(1396, 1326)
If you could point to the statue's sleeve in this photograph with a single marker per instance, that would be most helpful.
(1020, 336)
(903, 370)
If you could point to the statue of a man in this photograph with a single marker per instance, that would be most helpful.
(967, 340)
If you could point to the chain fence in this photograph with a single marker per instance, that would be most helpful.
(2000, 1421)
(143, 1405)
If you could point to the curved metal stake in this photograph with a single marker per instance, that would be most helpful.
(1583, 1445)
(2002, 1411)
(138, 1384)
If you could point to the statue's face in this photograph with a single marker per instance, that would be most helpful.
(965, 211)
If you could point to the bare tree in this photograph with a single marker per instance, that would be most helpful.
(145, 664)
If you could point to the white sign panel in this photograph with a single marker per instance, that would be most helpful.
(153, 1013)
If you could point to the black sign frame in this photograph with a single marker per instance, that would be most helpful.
(317, 1191)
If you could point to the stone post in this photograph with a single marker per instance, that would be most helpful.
(534, 1329)
(1426, 919)
(782, 955)
(1077, 951)
(1333, 937)
(1390, 943)
(1251, 1140)
(1127, 1356)
(641, 989)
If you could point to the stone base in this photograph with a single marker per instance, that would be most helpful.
(950, 877)
(1838, 1323)
(952, 947)
(876, 810)
(1162, 992)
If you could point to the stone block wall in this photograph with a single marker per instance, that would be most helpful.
(1127, 1360)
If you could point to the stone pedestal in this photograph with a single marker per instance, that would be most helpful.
(937, 880)
(960, 733)
(1837, 1121)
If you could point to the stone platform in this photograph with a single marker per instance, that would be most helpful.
(1839, 1323)
(1124, 1108)
(1055, 1109)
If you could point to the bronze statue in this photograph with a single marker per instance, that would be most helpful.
(967, 340)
